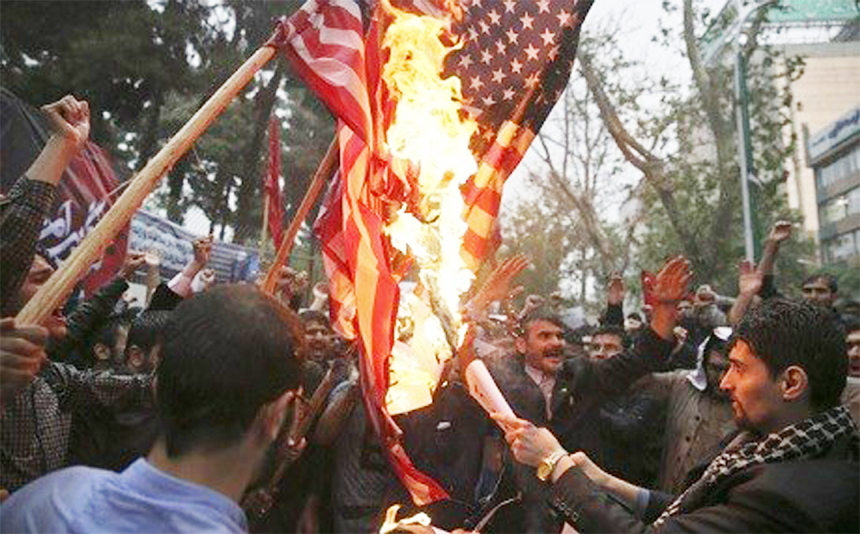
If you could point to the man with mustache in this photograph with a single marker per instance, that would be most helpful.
(565, 395)
(792, 468)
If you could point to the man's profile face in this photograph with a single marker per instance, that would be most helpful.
(318, 340)
(756, 397)
(818, 291)
(716, 366)
(542, 346)
(40, 271)
(853, 343)
(605, 346)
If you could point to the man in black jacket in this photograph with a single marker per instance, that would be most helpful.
(794, 468)
(566, 395)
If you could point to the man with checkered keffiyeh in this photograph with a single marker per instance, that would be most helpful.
(792, 468)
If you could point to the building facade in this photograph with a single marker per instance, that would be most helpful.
(834, 156)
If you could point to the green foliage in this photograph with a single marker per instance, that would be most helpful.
(146, 67)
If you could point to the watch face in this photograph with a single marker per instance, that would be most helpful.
(543, 470)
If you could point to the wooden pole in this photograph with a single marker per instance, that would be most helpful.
(63, 281)
(265, 224)
(322, 174)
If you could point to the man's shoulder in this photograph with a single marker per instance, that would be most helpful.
(829, 492)
(49, 503)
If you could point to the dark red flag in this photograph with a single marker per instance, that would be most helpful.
(272, 184)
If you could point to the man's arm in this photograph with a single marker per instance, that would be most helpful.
(780, 232)
(80, 390)
(614, 314)
(653, 346)
(749, 286)
(90, 314)
(25, 208)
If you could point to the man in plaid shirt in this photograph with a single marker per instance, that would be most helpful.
(38, 396)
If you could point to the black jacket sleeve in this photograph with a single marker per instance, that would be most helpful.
(612, 376)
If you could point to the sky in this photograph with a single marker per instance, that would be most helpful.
(638, 21)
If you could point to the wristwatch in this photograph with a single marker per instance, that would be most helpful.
(547, 465)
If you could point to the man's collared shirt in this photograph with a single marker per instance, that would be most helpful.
(545, 383)
(140, 499)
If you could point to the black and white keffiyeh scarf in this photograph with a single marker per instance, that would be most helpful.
(806, 439)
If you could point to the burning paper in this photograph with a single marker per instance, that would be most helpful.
(484, 389)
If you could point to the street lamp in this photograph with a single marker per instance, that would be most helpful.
(745, 160)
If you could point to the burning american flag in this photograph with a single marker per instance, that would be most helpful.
(436, 103)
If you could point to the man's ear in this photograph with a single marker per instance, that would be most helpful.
(272, 415)
(795, 383)
(101, 352)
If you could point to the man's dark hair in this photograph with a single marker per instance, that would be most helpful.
(227, 352)
(314, 316)
(784, 332)
(541, 313)
(148, 329)
(851, 324)
(106, 333)
(613, 330)
(827, 278)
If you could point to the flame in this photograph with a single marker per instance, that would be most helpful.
(391, 523)
(432, 133)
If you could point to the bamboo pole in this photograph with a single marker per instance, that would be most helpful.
(265, 224)
(63, 281)
(322, 174)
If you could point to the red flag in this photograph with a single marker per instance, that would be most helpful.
(272, 185)
(514, 63)
(83, 197)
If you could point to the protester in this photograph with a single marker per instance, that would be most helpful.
(23, 210)
(362, 477)
(566, 395)
(793, 468)
(697, 412)
(631, 423)
(89, 317)
(227, 376)
(319, 339)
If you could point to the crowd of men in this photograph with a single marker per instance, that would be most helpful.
(217, 407)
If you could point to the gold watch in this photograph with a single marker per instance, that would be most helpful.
(547, 465)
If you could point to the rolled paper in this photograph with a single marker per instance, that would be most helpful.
(484, 389)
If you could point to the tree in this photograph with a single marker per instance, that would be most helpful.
(146, 67)
(686, 150)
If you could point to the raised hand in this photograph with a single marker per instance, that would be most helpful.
(670, 287)
(22, 352)
(750, 279)
(498, 285)
(202, 250)
(133, 260)
(672, 282)
(70, 118)
(616, 290)
(780, 232)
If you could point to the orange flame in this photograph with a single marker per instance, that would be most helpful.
(432, 133)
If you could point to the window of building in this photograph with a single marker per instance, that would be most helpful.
(841, 247)
(840, 168)
(837, 208)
